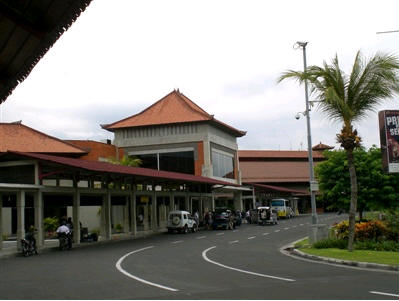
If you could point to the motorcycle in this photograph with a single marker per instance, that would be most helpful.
(65, 241)
(28, 247)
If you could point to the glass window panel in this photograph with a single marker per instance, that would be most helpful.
(223, 165)
(177, 161)
(148, 161)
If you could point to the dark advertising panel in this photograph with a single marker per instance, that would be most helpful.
(389, 137)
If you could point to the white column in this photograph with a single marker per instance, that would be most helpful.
(238, 200)
(154, 224)
(20, 217)
(126, 224)
(145, 221)
(106, 216)
(133, 221)
(38, 200)
(213, 202)
(76, 216)
(172, 202)
(253, 197)
(187, 202)
(1, 221)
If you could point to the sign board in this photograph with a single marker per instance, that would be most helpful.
(314, 186)
(389, 138)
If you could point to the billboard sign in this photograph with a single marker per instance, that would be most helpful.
(389, 137)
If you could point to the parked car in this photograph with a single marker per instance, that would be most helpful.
(267, 216)
(182, 222)
(222, 219)
(282, 207)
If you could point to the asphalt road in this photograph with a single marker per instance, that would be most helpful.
(222, 264)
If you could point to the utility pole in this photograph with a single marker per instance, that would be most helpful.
(312, 182)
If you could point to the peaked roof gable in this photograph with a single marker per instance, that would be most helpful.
(18, 137)
(172, 109)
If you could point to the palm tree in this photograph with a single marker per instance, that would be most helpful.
(348, 99)
(126, 161)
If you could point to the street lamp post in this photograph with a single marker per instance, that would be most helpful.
(312, 181)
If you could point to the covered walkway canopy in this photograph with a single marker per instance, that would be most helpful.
(36, 175)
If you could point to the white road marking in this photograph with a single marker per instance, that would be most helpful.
(265, 234)
(235, 230)
(201, 237)
(119, 267)
(177, 241)
(233, 242)
(286, 228)
(300, 224)
(220, 233)
(239, 270)
(385, 294)
(277, 231)
(252, 237)
(293, 226)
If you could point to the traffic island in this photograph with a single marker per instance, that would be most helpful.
(292, 251)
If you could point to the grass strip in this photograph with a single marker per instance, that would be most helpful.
(382, 257)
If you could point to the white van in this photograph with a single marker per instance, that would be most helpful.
(181, 221)
(282, 206)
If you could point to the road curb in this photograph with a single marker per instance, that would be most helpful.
(290, 248)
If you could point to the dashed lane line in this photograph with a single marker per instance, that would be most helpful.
(233, 242)
(201, 237)
(239, 270)
(277, 231)
(220, 234)
(118, 265)
(252, 237)
(177, 242)
(265, 234)
(384, 294)
(286, 228)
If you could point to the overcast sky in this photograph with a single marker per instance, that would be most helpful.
(121, 56)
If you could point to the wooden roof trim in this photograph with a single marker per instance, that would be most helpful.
(47, 41)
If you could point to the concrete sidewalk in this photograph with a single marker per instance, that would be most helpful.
(10, 246)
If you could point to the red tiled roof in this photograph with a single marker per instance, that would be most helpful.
(275, 154)
(321, 147)
(279, 189)
(274, 171)
(104, 167)
(18, 137)
(172, 109)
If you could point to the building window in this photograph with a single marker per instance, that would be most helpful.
(148, 160)
(177, 161)
(223, 164)
(182, 161)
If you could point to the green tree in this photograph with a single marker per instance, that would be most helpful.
(376, 190)
(348, 99)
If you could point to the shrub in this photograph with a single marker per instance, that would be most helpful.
(331, 243)
(387, 245)
(50, 224)
(118, 228)
(371, 230)
(341, 230)
(392, 222)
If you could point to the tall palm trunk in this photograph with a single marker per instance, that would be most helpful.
(353, 205)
